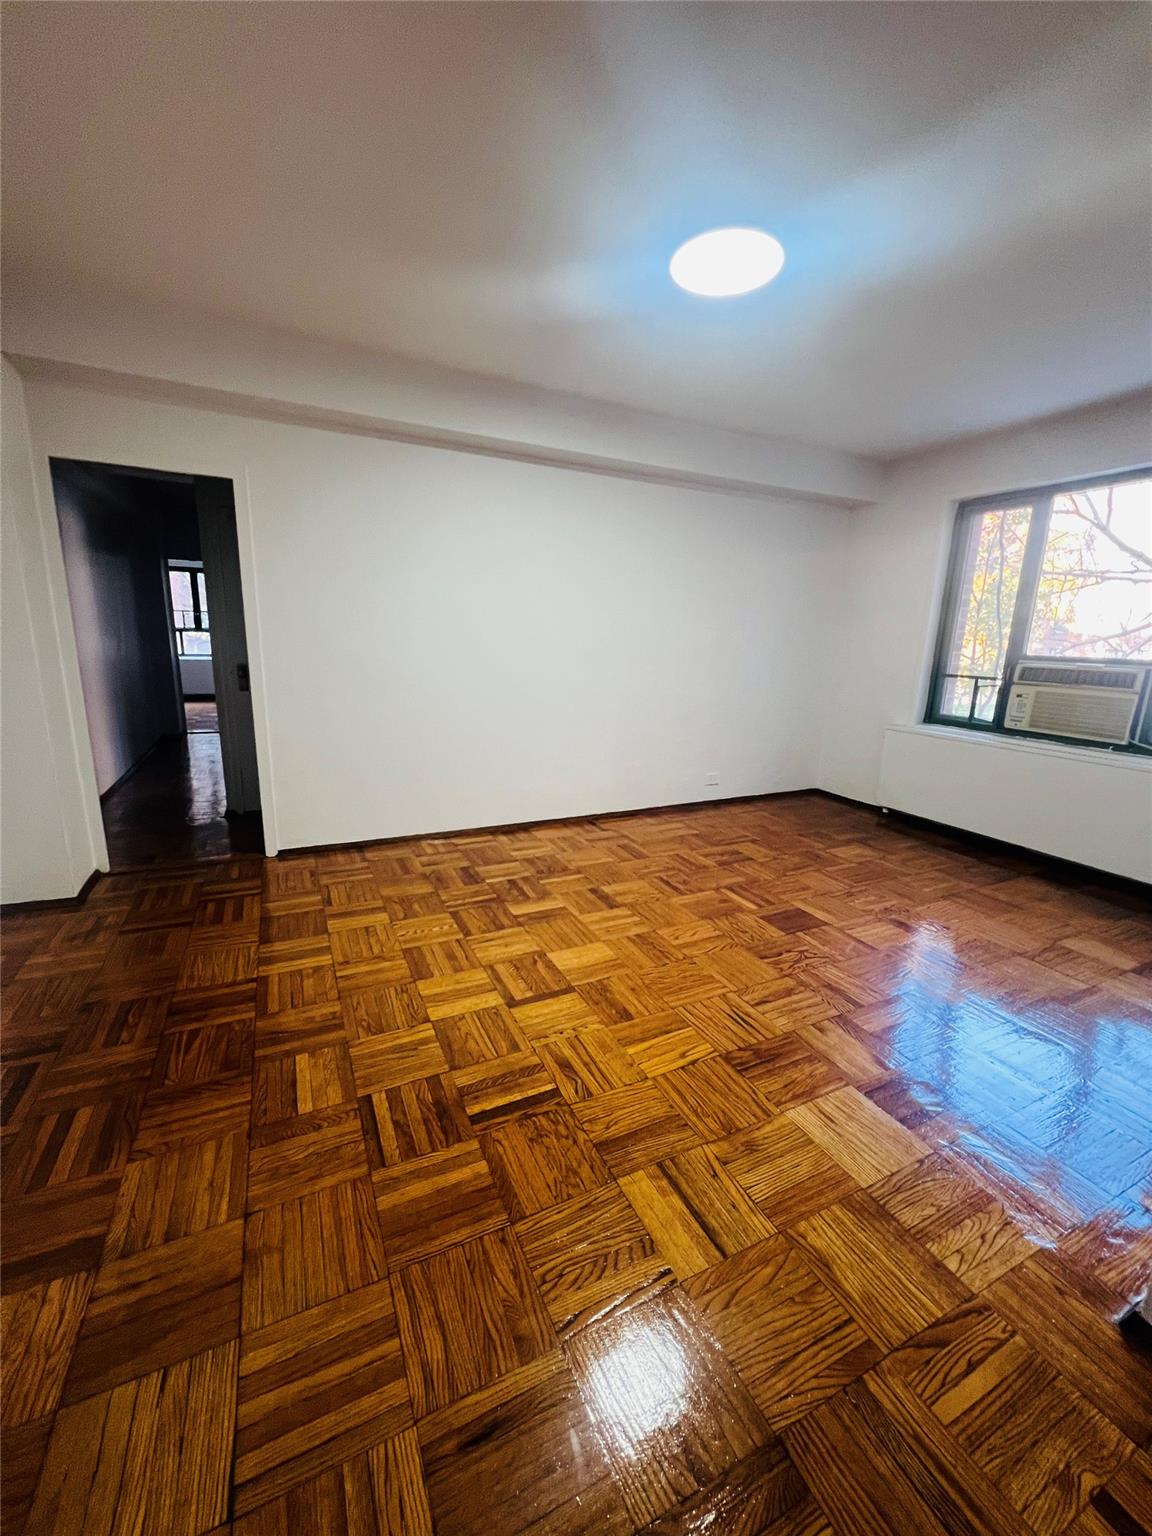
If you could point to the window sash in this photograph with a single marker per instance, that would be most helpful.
(1041, 499)
(194, 620)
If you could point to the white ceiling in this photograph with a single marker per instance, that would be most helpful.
(962, 189)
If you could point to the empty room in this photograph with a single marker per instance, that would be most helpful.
(576, 801)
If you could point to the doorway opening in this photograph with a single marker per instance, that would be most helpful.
(153, 569)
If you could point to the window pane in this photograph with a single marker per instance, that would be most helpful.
(1095, 592)
(180, 586)
(203, 597)
(986, 595)
(196, 642)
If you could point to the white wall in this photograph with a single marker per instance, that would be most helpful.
(898, 552)
(47, 790)
(114, 559)
(446, 639)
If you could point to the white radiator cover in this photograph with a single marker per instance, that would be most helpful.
(1080, 803)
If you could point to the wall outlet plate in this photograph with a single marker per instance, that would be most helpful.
(711, 780)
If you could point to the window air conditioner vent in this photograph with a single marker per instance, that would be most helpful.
(1070, 676)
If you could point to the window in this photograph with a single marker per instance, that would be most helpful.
(189, 599)
(1062, 573)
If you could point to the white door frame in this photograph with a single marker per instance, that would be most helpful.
(114, 442)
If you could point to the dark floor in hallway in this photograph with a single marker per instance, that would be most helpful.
(171, 810)
(201, 715)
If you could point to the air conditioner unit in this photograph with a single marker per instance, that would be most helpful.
(1075, 699)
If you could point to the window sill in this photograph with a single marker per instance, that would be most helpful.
(1133, 762)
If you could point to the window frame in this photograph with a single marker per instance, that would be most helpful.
(203, 623)
(1041, 499)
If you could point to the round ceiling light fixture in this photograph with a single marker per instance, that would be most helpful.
(722, 263)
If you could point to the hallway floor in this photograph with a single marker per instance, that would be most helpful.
(171, 810)
(761, 1170)
(201, 715)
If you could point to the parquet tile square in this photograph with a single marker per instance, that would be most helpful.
(175, 1117)
(446, 997)
(73, 1144)
(297, 998)
(39, 1326)
(786, 1071)
(156, 1307)
(728, 1022)
(588, 1252)
(202, 1055)
(177, 1194)
(308, 1250)
(670, 1411)
(485, 1035)
(661, 1042)
(697, 1214)
(412, 1120)
(788, 1335)
(215, 965)
(559, 1015)
(787, 1173)
(379, 1492)
(634, 1126)
(316, 1389)
(287, 1085)
(479, 1442)
(714, 1098)
(56, 1231)
(586, 962)
(867, 1143)
(401, 1056)
(622, 996)
(588, 1062)
(958, 1222)
(366, 955)
(1065, 1318)
(436, 1201)
(497, 1091)
(152, 1455)
(468, 1315)
(542, 1159)
(305, 1153)
(891, 1285)
(372, 1011)
(523, 978)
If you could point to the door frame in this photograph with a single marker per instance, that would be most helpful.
(120, 444)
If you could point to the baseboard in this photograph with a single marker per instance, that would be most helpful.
(139, 763)
(57, 904)
(199, 698)
(494, 828)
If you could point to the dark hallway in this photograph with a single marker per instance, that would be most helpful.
(171, 809)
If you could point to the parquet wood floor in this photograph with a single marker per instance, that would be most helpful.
(765, 1168)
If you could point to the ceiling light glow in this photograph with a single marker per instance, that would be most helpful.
(724, 262)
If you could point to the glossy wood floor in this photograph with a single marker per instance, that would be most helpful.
(752, 1169)
(172, 808)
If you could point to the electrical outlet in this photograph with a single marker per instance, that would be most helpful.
(711, 780)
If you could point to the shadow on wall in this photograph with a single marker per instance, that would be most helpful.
(118, 531)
